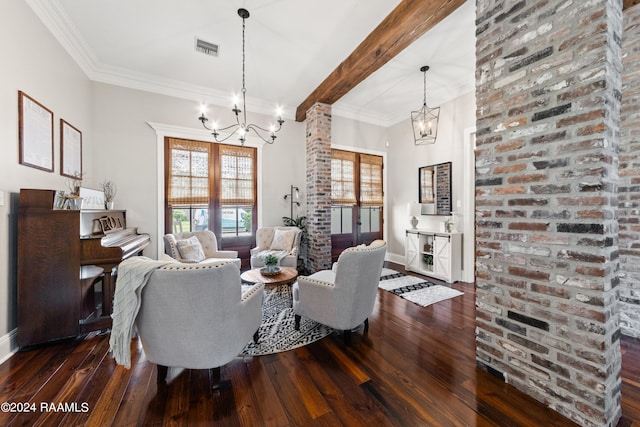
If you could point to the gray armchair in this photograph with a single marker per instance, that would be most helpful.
(283, 241)
(182, 247)
(195, 316)
(343, 297)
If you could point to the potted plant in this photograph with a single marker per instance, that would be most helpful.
(301, 223)
(271, 262)
(109, 189)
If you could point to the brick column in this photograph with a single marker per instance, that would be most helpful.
(318, 136)
(629, 189)
(548, 98)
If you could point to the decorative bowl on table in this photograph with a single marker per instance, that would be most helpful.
(270, 271)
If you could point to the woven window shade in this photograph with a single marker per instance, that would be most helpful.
(343, 177)
(188, 181)
(370, 180)
(237, 165)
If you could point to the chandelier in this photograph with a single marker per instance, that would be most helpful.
(241, 127)
(425, 120)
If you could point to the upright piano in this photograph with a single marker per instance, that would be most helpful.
(55, 248)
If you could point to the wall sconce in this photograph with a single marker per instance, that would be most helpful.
(293, 198)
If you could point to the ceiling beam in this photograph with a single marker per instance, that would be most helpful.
(404, 25)
(628, 3)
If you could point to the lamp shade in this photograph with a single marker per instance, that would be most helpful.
(425, 125)
(414, 209)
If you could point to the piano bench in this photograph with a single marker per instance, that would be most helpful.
(90, 275)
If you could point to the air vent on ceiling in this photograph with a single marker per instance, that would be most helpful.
(206, 47)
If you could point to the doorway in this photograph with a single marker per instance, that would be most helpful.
(357, 204)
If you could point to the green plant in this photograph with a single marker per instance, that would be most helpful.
(179, 216)
(270, 259)
(428, 259)
(448, 225)
(246, 220)
(301, 223)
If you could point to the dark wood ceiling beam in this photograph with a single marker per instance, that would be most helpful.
(628, 3)
(404, 25)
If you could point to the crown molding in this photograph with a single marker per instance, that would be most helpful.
(53, 16)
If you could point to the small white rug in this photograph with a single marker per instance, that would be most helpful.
(431, 295)
(415, 289)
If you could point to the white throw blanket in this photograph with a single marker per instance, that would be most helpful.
(133, 275)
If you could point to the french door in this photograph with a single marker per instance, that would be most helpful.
(356, 198)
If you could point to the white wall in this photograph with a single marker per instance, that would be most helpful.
(32, 61)
(403, 160)
(127, 152)
(119, 145)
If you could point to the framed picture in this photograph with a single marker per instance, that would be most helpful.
(35, 133)
(70, 151)
(92, 199)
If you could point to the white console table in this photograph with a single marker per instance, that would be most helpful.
(433, 253)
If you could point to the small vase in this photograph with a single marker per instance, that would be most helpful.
(271, 268)
(108, 205)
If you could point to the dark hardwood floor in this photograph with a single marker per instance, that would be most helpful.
(415, 367)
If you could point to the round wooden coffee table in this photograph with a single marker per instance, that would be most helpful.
(286, 275)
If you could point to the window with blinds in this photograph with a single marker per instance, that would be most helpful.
(237, 188)
(210, 186)
(188, 182)
(370, 180)
(237, 165)
(356, 192)
(343, 177)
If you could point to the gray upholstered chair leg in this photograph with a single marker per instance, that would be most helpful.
(347, 337)
(218, 384)
(297, 322)
(162, 374)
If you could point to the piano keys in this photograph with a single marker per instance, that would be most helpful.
(53, 246)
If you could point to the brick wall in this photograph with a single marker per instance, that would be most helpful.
(548, 109)
(629, 189)
(318, 140)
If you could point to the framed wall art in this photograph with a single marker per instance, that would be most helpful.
(35, 133)
(70, 151)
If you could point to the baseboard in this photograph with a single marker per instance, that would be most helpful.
(398, 259)
(8, 346)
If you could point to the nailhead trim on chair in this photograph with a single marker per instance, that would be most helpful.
(254, 289)
(318, 282)
(183, 266)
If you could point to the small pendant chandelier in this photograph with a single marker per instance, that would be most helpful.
(425, 120)
(242, 128)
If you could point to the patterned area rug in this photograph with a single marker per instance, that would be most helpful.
(277, 332)
(415, 289)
